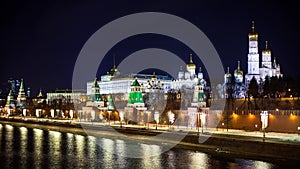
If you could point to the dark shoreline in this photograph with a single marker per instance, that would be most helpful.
(229, 146)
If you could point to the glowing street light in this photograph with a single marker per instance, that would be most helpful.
(109, 117)
(203, 120)
(156, 118)
(121, 118)
(264, 120)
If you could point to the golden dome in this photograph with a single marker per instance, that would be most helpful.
(238, 71)
(252, 35)
(153, 77)
(228, 74)
(114, 71)
(191, 65)
(267, 51)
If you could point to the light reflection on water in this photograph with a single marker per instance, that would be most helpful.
(22, 147)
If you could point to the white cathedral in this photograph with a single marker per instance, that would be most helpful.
(266, 68)
(258, 70)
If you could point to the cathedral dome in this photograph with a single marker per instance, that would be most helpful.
(238, 74)
(252, 35)
(153, 77)
(266, 50)
(238, 71)
(228, 74)
(190, 65)
(114, 71)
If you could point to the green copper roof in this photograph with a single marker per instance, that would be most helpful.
(95, 84)
(110, 104)
(135, 83)
(200, 97)
(135, 96)
(22, 85)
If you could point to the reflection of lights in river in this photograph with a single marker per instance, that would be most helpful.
(92, 147)
(120, 151)
(23, 145)
(198, 159)
(9, 127)
(108, 150)
(55, 144)
(80, 144)
(151, 156)
(38, 132)
(38, 138)
(261, 164)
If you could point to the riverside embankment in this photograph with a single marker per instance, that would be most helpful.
(221, 145)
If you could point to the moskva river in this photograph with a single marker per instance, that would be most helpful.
(22, 147)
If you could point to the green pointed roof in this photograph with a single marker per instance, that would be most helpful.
(135, 83)
(95, 84)
(22, 85)
(40, 93)
(9, 100)
(199, 82)
(110, 104)
(10, 93)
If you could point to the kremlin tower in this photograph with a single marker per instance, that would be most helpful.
(21, 99)
(10, 102)
(191, 68)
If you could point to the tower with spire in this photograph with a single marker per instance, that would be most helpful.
(21, 99)
(191, 68)
(135, 95)
(95, 96)
(227, 77)
(253, 56)
(114, 71)
(10, 102)
(198, 96)
(238, 74)
(266, 57)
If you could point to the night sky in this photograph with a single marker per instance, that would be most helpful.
(40, 40)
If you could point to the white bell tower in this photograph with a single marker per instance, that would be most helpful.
(266, 57)
(253, 56)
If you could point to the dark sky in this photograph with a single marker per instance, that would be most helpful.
(40, 40)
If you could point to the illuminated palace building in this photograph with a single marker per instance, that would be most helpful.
(115, 83)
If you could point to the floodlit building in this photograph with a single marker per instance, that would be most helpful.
(21, 99)
(259, 70)
(66, 96)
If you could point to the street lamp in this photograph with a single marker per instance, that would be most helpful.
(198, 118)
(256, 128)
(156, 118)
(109, 117)
(203, 119)
(264, 120)
(148, 114)
(121, 118)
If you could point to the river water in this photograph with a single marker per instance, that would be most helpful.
(22, 147)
